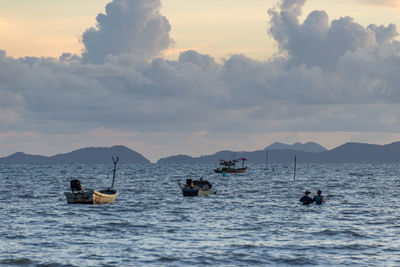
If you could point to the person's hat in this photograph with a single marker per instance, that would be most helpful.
(307, 192)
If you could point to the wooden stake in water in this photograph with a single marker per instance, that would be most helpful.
(294, 172)
(266, 166)
(115, 169)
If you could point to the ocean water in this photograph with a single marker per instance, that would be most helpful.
(254, 219)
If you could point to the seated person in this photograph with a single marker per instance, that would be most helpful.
(76, 185)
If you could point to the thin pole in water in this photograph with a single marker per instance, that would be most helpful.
(115, 169)
(266, 166)
(294, 172)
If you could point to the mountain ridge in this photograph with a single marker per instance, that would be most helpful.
(306, 147)
(350, 152)
(82, 155)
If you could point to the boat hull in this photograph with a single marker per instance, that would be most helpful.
(104, 196)
(91, 197)
(195, 191)
(228, 170)
(202, 193)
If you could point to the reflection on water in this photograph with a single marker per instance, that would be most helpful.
(253, 220)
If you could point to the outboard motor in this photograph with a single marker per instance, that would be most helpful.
(76, 185)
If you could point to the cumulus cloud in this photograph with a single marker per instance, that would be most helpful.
(384, 34)
(128, 26)
(316, 41)
(330, 76)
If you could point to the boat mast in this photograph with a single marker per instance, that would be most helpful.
(115, 169)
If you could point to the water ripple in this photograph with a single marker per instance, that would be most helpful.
(253, 220)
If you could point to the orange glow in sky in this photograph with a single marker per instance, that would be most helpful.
(219, 28)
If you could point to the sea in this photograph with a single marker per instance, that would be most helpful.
(253, 219)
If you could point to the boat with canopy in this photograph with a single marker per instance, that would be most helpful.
(230, 166)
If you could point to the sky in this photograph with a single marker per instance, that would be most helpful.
(195, 77)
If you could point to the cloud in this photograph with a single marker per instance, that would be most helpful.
(384, 34)
(329, 76)
(317, 41)
(128, 26)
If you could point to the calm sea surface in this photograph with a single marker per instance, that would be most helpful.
(253, 220)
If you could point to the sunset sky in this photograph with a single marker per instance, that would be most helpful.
(219, 28)
(195, 77)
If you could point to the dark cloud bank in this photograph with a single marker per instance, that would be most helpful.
(328, 76)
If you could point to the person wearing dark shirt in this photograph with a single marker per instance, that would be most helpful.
(306, 199)
(318, 199)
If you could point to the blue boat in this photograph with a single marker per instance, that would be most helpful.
(194, 188)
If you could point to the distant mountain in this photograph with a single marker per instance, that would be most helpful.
(307, 147)
(84, 155)
(203, 159)
(361, 153)
(347, 153)
(21, 157)
(183, 159)
(252, 157)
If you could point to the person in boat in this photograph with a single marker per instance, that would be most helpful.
(306, 199)
(189, 183)
(204, 184)
(75, 185)
(318, 199)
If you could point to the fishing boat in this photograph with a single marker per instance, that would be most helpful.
(91, 196)
(230, 166)
(194, 188)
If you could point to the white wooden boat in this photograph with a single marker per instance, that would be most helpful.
(91, 196)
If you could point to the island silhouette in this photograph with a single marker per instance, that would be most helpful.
(277, 153)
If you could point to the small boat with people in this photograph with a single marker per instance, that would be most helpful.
(230, 166)
(92, 196)
(194, 188)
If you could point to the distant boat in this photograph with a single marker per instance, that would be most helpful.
(194, 188)
(230, 166)
(91, 196)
